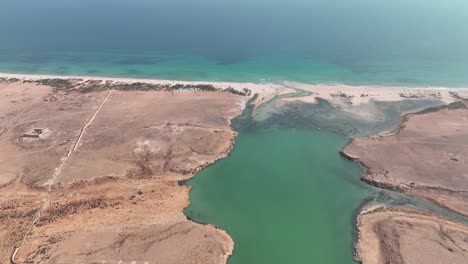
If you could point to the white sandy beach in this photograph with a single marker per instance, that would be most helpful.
(362, 94)
(266, 91)
(256, 88)
(355, 94)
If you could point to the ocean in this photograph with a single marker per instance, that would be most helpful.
(357, 42)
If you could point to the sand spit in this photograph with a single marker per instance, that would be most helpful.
(117, 196)
(266, 90)
(357, 95)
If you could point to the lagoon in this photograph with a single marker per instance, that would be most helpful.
(284, 195)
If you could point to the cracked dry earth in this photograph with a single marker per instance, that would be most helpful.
(116, 196)
(426, 157)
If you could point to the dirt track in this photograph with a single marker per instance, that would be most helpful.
(117, 196)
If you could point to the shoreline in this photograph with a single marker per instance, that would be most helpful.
(369, 172)
(259, 88)
(353, 90)
(356, 95)
(339, 95)
(231, 244)
(342, 97)
(222, 84)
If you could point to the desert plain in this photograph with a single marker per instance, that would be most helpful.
(94, 177)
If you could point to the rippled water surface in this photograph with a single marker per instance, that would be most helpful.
(403, 42)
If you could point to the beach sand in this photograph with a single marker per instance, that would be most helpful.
(266, 91)
(363, 94)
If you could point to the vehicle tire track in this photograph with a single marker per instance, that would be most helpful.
(57, 172)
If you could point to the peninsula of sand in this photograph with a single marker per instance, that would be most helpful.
(90, 168)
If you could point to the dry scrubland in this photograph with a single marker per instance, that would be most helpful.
(93, 176)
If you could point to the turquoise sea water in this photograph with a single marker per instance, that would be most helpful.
(400, 42)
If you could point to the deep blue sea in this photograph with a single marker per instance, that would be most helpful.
(397, 42)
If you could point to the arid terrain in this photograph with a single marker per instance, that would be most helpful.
(424, 157)
(400, 236)
(92, 176)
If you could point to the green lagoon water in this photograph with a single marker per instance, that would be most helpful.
(284, 196)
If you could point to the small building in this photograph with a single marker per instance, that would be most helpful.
(34, 133)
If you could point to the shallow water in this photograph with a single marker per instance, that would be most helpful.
(378, 116)
(399, 42)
